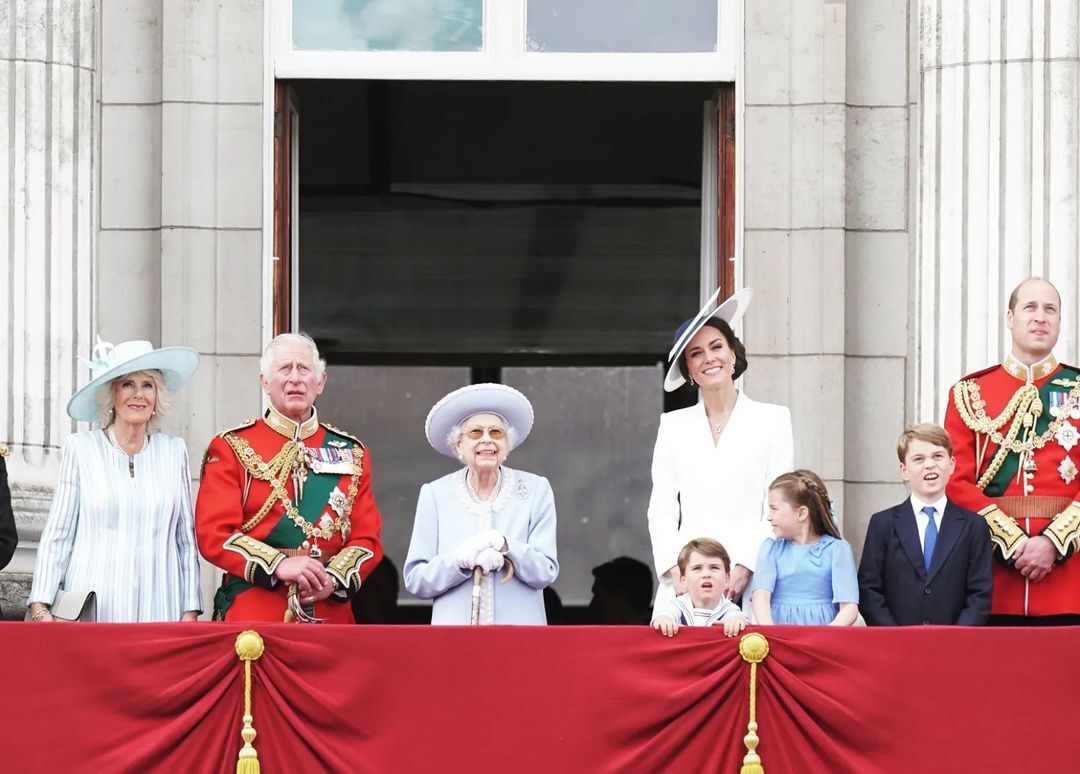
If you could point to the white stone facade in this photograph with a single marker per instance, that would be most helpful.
(902, 164)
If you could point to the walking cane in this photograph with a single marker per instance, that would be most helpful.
(477, 579)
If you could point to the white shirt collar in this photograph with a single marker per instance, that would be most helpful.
(939, 506)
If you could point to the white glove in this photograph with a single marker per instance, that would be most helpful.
(490, 560)
(465, 555)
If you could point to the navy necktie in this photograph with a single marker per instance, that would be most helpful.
(930, 538)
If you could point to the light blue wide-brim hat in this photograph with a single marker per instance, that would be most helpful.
(107, 362)
(486, 398)
(730, 311)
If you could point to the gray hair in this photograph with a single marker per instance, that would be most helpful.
(458, 430)
(162, 400)
(266, 362)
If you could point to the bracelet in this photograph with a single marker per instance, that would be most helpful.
(39, 614)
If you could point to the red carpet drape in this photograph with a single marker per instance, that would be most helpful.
(103, 698)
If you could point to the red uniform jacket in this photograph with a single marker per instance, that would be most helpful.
(248, 515)
(997, 401)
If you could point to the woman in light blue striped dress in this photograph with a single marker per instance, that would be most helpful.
(121, 521)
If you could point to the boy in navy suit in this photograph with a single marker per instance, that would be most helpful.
(926, 560)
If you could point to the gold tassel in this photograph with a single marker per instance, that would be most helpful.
(249, 647)
(753, 648)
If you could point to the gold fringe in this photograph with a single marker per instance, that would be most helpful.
(249, 647)
(753, 648)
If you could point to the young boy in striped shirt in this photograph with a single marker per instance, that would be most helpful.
(703, 571)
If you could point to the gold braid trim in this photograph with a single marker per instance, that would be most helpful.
(1064, 530)
(1024, 408)
(4, 451)
(1005, 533)
(345, 567)
(255, 553)
(293, 455)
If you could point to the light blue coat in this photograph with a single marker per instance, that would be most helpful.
(523, 511)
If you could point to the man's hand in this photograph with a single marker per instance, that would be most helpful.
(1035, 558)
(189, 617)
(666, 625)
(309, 576)
(734, 624)
(737, 581)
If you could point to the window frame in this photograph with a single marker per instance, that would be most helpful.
(504, 55)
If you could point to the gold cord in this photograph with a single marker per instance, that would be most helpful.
(753, 648)
(249, 647)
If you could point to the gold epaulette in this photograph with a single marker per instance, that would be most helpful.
(4, 450)
(241, 426)
(350, 436)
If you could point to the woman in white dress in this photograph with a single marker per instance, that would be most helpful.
(121, 523)
(713, 461)
(485, 515)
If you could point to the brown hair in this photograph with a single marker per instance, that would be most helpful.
(705, 547)
(923, 431)
(806, 489)
(1015, 295)
(736, 346)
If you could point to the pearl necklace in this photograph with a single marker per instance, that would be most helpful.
(472, 492)
(111, 435)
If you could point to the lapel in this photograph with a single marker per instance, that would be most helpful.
(731, 430)
(908, 533)
(951, 527)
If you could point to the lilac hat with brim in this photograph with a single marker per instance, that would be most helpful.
(730, 311)
(176, 365)
(453, 409)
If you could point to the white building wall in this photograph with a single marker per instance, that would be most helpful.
(998, 181)
(48, 79)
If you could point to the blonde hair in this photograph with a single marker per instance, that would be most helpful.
(162, 400)
(707, 547)
(804, 488)
(924, 431)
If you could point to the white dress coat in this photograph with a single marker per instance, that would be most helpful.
(131, 540)
(716, 491)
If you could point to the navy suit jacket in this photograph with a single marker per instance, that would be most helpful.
(894, 585)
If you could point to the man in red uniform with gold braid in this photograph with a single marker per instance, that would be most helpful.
(285, 506)
(1012, 426)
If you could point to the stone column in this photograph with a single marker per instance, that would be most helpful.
(47, 136)
(998, 182)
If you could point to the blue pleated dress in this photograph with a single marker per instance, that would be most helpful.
(808, 582)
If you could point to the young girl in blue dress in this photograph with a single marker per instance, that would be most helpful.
(806, 573)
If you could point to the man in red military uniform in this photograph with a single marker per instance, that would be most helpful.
(1015, 437)
(285, 506)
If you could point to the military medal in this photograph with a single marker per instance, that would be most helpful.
(1067, 435)
(1067, 469)
(1057, 400)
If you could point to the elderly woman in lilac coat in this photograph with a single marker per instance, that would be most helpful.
(485, 515)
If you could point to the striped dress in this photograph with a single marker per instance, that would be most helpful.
(129, 539)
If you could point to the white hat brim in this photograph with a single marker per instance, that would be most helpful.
(731, 311)
(176, 365)
(459, 405)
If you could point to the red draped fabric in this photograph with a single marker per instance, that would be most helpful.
(104, 698)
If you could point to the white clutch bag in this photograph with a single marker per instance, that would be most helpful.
(73, 606)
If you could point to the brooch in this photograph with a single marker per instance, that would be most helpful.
(337, 501)
(1067, 469)
(1067, 436)
(522, 490)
